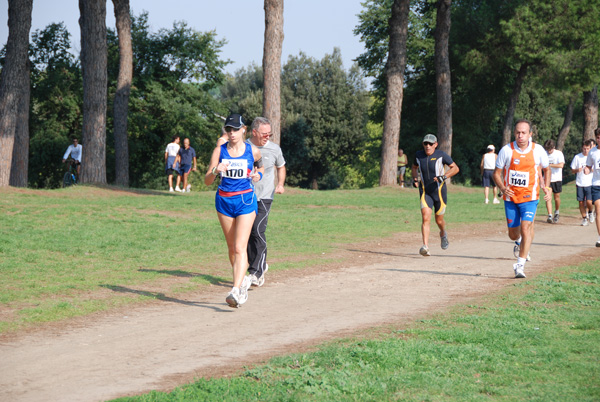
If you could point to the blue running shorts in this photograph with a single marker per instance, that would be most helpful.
(515, 213)
(595, 193)
(584, 193)
(241, 204)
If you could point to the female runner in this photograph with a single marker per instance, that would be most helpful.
(235, 200)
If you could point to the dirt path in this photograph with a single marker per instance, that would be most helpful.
(161, 345)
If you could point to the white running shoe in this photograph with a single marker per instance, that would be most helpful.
(247, 282)
(550, 220)
(556, 217)
(517, 249)
(254, 280)
(424, 251)
(261, 281)
(584, 222)
(496, 201)
(243, 296)
(519, 270)
(592, 217)
(487, 201)
(444, 240)
(171, 190)
(233, 298)
(178, 190)
(188, 188)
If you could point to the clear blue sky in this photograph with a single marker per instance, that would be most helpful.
(312, 26)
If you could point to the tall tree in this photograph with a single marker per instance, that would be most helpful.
(512, 103)
(394, 71)
(442, 72)
(272, 65)
(566, 127)
(92, 23)
(20, 160)
(590, 113)
(14, 83)
(121, 102)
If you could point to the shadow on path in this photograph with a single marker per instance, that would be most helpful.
(423, 271)
(163, 297)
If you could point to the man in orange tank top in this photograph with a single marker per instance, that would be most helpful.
(518, 175)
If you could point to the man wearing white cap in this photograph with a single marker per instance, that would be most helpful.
(430, 164)
(488, 164)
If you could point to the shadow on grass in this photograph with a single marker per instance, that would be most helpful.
(417, 256)
(163, 297)
(213, 280)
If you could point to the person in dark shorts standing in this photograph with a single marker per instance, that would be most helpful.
(557, 161)
(583, 184)
(170, 159)
(186, 157)
(429, 168)
(402, 162)
(265, 189)
(488, 164)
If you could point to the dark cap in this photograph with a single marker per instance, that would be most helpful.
(234, 120)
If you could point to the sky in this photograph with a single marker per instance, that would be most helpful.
(312, 26)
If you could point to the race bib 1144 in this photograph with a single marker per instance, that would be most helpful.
(237, 169)
(518, 179)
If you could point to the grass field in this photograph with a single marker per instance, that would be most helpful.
(66, 253)
(537, 341)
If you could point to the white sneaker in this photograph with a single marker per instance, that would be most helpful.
(550, 220)
(519, 270)
(584, 222)
(171, 190)
(178, 189)
(496, 201)
(592, 217)
(243, 296)
(261, 281)
(517, 249)
(188, 188)
(487, 201)
(247, 282)
(233, 298)
(424, 251)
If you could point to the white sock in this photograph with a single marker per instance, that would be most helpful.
(519, 240)
(556, 212)
(521, 261)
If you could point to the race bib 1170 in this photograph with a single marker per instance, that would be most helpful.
(518, 179)
(237, 169)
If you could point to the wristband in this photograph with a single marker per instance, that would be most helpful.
(260, 174)
(214, 171)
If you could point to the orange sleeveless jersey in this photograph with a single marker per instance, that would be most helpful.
(522, 176)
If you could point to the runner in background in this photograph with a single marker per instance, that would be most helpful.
(429, 167)
(170, 158)
(402, 162)
(521, 162)
(583, 184)
(593, 166)
(556, 159)
(487, 166)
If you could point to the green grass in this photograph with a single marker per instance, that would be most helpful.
(61, 250)
(537, 341)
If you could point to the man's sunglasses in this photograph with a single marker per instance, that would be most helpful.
(428, 144)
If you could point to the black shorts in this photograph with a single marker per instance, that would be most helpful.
(434, 197)
(556, 187)
(488, 178)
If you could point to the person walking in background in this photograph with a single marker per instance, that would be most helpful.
(75, 151)
(487, 166)
(583, 184)
(402, 162)
(186, 157)
(556, 159)
(521, 161)
(170, 158)
(429, 167)
(235, 200)
(265, 190)
(593, 166)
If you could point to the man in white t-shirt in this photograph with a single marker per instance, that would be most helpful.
(75, 151)
(593, 166)
(487, 166)
(583, 183)
(557, 162)
(170, 165)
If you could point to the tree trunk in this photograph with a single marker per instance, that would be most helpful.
(121, 102)
(512, 105)
(93, 67)
(14, 81)
(272, 66)
(394, 72)
(442, 72)
(20, 160)
(590, 113)
(566, 127)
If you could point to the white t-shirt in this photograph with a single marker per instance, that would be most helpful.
(172, 149)
(540, 156)
(489, 161)
(554, 158)
(593, 160)
(582, 180)
(75, 152)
